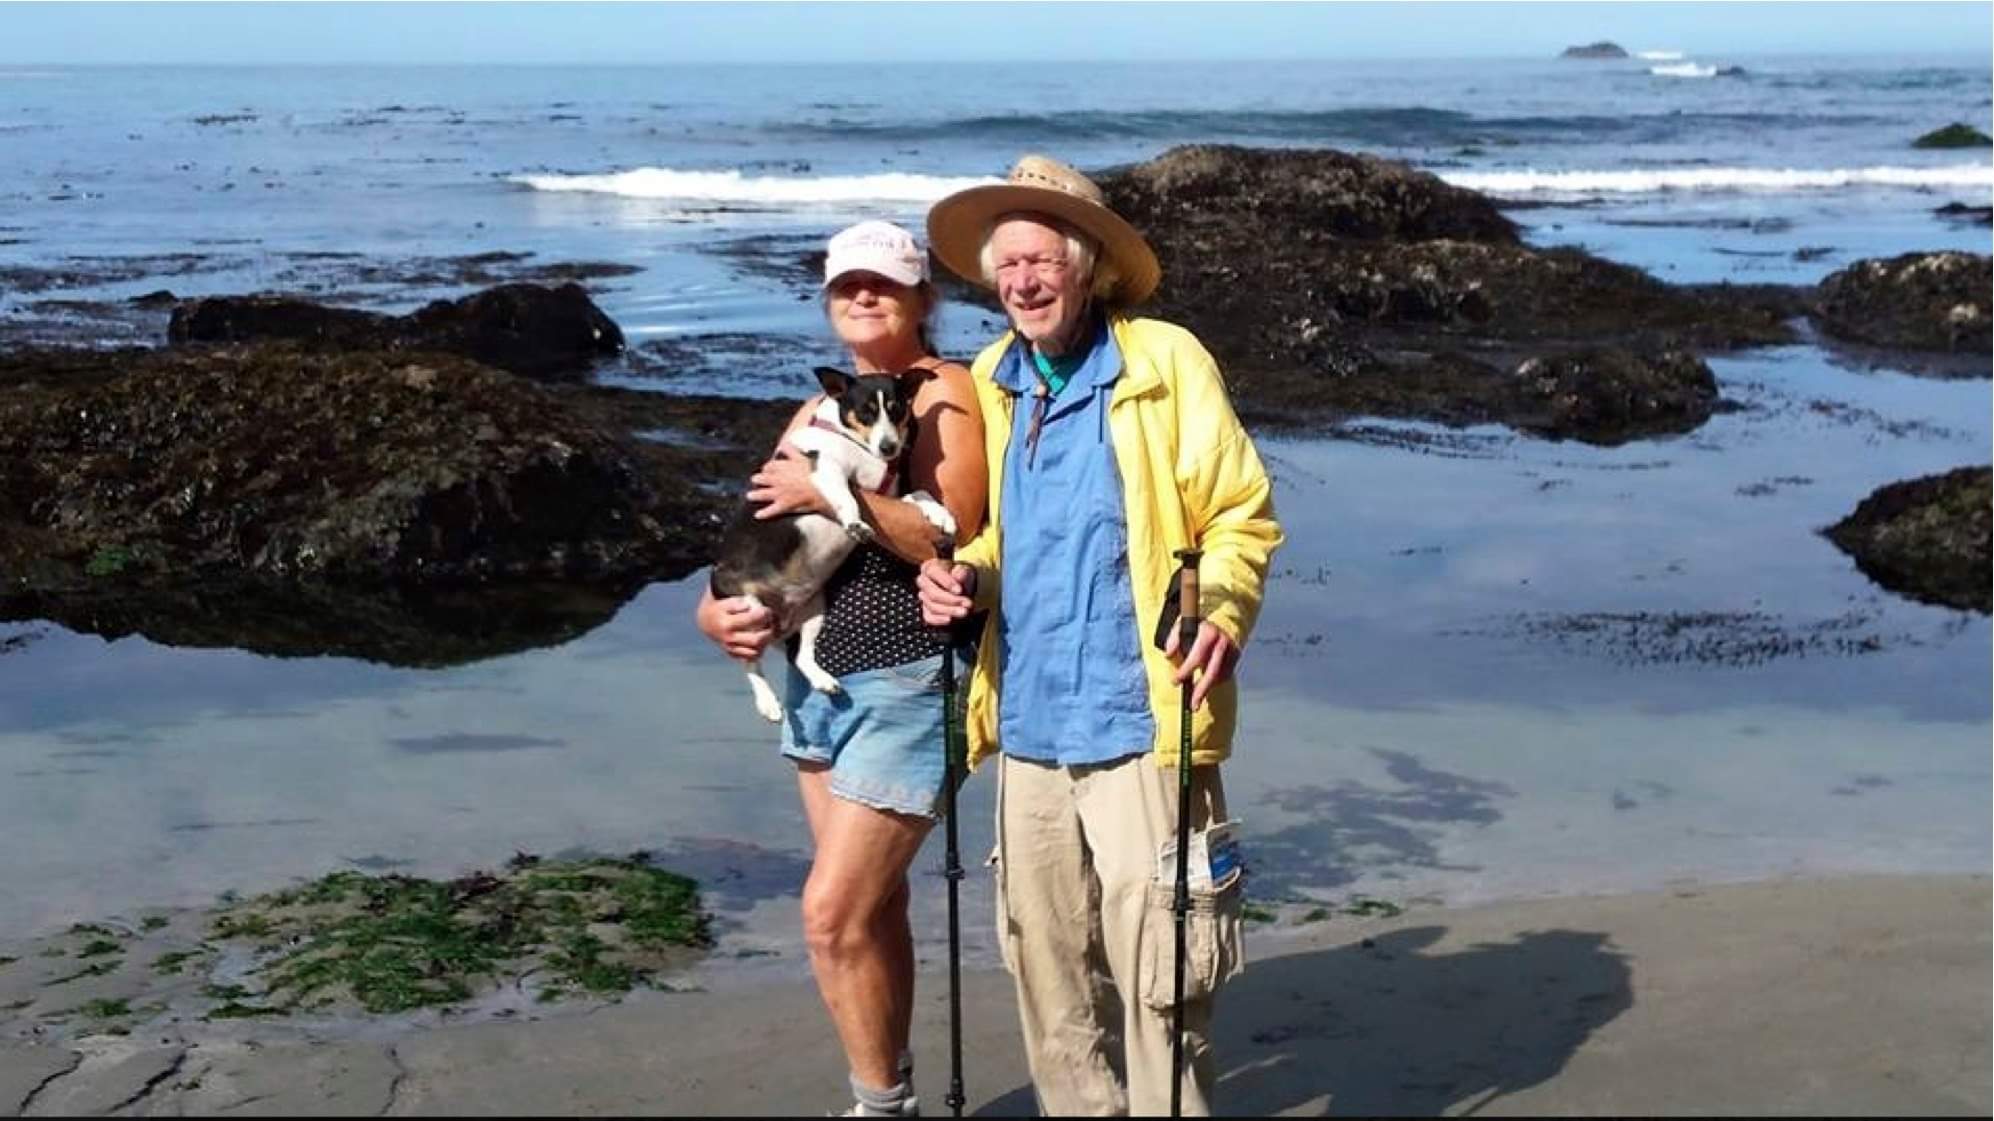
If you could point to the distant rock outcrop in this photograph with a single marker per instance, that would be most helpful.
(1955, 135)
(1601, 49)
(1927, 538)
(1966, 213)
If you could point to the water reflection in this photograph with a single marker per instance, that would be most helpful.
(1426, 716)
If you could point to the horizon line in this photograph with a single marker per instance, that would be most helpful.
(1633, 56)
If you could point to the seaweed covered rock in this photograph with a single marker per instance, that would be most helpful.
(1201, 192)
(1611, 395)
(1926, 538)
(1916, 301)
(293, 500)
(370, 467)
(1328, 283)
(529, 329)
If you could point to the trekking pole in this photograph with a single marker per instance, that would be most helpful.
(1180, 904)
(952, 858)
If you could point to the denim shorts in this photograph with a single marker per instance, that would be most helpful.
(882, 735)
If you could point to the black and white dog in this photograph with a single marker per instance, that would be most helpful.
(853, 439)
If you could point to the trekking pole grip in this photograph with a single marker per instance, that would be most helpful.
(1187, 597)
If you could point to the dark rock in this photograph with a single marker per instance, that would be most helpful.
(368, 468)
(1955, 135)
(1962, 212)
(1927, 538)
(361, 499)
(1330, 284)
(1608, 396)
(159, 297)
(538, 332)
(1601, 49)
(1730, 72)
(1197, 191)
(1917, 301)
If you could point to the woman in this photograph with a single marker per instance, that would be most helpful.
(869, 760)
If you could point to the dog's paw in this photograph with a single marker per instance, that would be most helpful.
(824, 683)
(859, 532)
(766, 701)
(937, 514)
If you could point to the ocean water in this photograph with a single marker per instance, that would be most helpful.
(1489, 666)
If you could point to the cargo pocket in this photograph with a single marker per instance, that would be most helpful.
(1213, 952)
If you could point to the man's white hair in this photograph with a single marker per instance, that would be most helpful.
(1082, 252)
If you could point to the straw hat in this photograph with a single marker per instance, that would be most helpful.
(958, 224)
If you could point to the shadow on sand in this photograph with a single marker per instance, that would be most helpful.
(1389, 1028)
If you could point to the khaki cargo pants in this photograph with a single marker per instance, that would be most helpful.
(1086, 929)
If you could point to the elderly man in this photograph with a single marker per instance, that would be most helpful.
(1111, 445)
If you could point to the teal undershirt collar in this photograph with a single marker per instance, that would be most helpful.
(1058, 370)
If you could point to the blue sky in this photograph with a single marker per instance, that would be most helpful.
(841, 32)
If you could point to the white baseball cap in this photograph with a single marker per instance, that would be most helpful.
(876, 247)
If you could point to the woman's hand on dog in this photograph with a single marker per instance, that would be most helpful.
(947, 591)
(783, 486)
(738, 625)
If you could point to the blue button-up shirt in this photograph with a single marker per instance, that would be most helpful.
(1073, 690)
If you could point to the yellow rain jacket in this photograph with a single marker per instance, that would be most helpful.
(1190, 476)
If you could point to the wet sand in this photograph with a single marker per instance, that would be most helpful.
(1808, 997)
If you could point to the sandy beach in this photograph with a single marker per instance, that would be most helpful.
(1845, 996)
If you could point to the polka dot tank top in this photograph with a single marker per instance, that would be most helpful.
(872, 616)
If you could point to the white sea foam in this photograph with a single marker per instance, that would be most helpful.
(731, 189)
(1683, 70)
(1659, 56)
(1777, 180)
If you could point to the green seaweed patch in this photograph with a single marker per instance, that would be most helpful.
(110, 560)
(105, 1009)
(248, 925)
(1364, 907)
(16, 1006)
(175, 961)
(96, 969)
(98, 947)
(6, 961)
(93, 928)
(1316, 914)
(1254, 912)
(151, 923)
(392, 943)
(236, 1010)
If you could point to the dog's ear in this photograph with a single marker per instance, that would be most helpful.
(834, 380)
